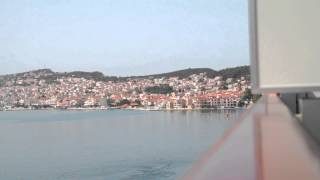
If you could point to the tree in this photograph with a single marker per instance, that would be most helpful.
(2, 82)
(138, 102)
(224, 87)
(248, 97)
(201, 80)
(137, 90)
(80, 103)
(162, 89)
(109, 102)
(123, 102)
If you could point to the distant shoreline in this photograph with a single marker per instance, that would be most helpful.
(126, 109)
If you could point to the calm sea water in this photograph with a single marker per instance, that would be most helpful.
(115, 144)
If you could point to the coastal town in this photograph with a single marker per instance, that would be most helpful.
(32, 90)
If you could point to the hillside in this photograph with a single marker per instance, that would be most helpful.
(50, 76)
(182, 73)
(235, 72)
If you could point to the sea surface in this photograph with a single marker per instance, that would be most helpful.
(103, 145)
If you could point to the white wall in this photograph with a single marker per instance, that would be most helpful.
(288, 39)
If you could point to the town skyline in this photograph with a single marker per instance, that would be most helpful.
(185, 89)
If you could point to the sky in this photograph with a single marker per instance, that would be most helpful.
(122, 37)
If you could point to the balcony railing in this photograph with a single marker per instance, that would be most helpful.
(268, 143)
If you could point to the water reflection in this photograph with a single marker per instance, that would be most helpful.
(106, 144)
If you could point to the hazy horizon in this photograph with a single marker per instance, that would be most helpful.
(121, 37)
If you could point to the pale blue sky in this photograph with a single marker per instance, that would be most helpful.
(122, 37)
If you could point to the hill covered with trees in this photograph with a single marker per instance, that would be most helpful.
(51, 76)
(185, 73)
(234, 72)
